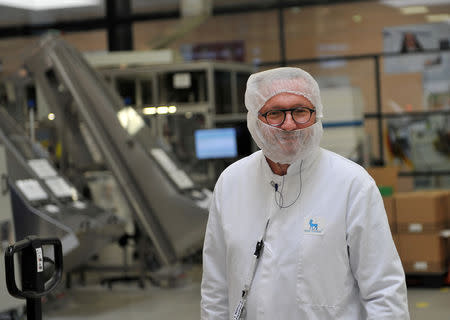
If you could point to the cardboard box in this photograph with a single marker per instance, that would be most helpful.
(421, 211)
(422, 252)
(385, 176)
(389, 205)
(405, 184)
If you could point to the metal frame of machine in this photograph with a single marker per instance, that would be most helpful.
(41, 208)
(170, 217)
(215, 89)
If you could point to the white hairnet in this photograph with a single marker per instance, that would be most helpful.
(277, 144)
(264, 85)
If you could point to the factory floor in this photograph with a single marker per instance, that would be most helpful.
(128, 301)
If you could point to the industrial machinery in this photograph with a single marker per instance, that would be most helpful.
(98, 130)
(423, 144)
(178, 100)
(45, 203)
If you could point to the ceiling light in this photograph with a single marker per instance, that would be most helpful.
(149, 110)
(48, 4)
(445, 17)
(407, 3)
(172, 109)
(414, 10)
(51, 116)
(162, 110)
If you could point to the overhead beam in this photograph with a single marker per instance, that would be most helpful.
(120, 34)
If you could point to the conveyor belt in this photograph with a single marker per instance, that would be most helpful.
(83, 227)
(169, 215)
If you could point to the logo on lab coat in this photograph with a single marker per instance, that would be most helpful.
(313, 225)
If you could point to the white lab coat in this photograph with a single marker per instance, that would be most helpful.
(330, 255)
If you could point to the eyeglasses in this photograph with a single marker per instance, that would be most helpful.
(276, 118)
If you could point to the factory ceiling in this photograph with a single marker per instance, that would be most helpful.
(95, 9)
(15, 21)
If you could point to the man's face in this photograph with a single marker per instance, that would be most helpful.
(284, 136)
(287, 100)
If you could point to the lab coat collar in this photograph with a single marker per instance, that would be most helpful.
(293, 169)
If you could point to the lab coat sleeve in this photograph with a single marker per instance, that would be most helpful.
(214, 290)
(373, 257)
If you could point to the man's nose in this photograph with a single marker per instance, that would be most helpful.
(289, 124)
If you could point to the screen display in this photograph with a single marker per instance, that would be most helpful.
(216, 143)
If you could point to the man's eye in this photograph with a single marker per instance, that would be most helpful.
(275, 113)
(300, 111)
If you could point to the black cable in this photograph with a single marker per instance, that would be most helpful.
(280, 193)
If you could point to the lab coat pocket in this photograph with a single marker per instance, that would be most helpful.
(321, 272)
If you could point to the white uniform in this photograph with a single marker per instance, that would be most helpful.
(329, 255)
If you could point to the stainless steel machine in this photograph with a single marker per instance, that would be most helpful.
(179, 100)
(169, 210)
(46, 203)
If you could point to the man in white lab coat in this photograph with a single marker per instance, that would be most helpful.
(296, 231)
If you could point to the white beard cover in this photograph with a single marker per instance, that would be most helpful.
(283, 146)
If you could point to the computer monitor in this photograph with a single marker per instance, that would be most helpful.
(218, 143)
